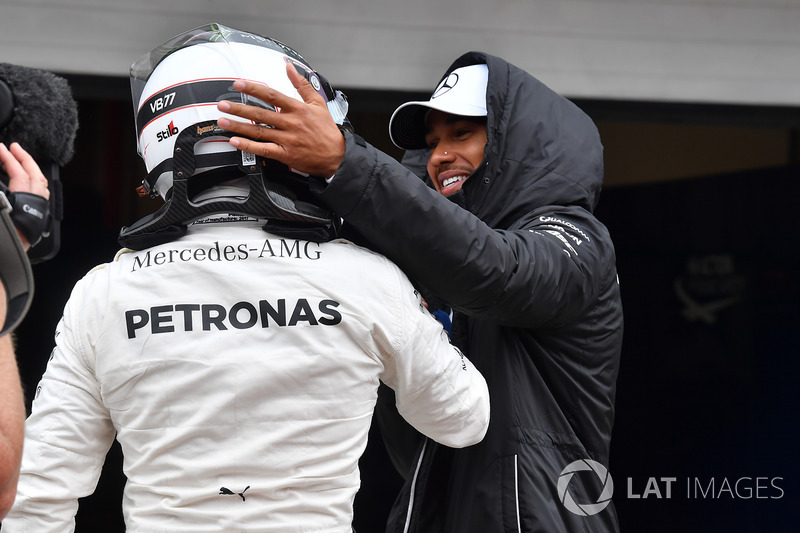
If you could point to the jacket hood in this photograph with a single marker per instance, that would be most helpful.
(541, 148)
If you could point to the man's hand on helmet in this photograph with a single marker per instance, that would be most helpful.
(302, 135)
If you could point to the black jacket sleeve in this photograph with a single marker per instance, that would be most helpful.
(541, 271)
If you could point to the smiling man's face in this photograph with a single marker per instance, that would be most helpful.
(456, 145)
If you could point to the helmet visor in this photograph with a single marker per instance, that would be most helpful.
(143, 68)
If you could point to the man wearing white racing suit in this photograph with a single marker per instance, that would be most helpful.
(238, 368)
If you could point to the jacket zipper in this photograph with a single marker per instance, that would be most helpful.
(414, 486)
(516, 492)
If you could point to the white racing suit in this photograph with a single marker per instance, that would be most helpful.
(239, 371)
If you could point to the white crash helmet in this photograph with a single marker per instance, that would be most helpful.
(179, 84)
(175, 90)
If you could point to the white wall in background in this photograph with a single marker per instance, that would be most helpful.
(715, 51)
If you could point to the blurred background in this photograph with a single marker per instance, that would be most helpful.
(698, 106)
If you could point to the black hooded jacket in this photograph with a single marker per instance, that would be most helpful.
(530, 274)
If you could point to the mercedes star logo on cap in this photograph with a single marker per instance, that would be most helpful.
(448, 83)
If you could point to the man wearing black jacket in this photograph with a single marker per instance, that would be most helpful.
(528, 271)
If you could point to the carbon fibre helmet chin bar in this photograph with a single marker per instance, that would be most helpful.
(272, 194)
